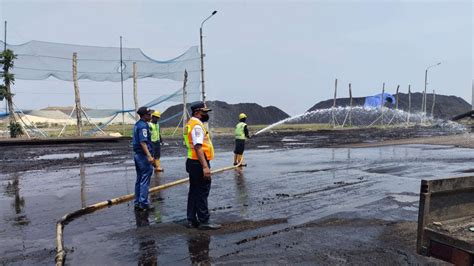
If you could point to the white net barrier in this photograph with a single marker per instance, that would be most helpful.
(38, 60)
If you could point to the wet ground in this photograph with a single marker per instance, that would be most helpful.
(298, 201)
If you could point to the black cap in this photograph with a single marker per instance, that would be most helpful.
(199, 106)
(144, 111)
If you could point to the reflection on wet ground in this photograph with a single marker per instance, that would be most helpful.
(60, 156)
(198, 247)
(147, 246)
(13, 190)
(279, 189)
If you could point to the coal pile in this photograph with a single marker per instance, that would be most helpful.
(226, 115)
(446, 107)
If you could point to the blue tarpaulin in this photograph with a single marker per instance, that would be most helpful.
(376, 100)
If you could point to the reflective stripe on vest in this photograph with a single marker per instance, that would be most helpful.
(207, 147)
(239, 130)
(155, 132)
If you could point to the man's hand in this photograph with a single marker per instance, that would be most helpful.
(147, 152)
(207, 173)
(202, 160)
(151, 160)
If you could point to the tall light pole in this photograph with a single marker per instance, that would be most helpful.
(423, 107)
(202, 56)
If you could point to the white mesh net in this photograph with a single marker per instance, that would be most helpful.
(38, 60)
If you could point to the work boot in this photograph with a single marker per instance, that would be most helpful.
(191, 225)
(237, 159)
(209, 226)
(157, 166)
(240, 160)
(145, 208)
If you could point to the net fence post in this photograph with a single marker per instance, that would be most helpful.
(77, 97)
(135, 90)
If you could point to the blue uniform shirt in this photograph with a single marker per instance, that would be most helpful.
(141, 133)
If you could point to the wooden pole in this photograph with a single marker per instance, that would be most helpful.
(396, 104)
(433, 104)
(77, 96)
(185, 96)
(350, 105)
(409, 104)
(423, 101)
(334, 104)
(382, 103)
(135, 90)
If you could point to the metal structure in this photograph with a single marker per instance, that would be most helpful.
(423, 104)
(202, 56)
(121, 85)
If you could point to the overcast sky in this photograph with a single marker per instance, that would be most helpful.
(281, 53)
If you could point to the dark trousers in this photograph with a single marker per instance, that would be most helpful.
(239, 146)
(199, 188)
(156, 150)
(142, 184)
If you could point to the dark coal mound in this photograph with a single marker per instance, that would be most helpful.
(226, 115)
(446, 107)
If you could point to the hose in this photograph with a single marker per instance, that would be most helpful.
(67, 218)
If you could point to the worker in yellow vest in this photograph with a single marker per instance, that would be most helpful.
(241, 134)
(199, 153)
(156, 139)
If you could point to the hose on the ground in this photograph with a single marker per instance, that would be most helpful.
(61, 253)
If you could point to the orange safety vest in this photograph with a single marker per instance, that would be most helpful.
(206, 146)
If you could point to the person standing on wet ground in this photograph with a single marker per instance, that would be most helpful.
(199, 152)
(241, 134)
(156, 139)
(142, 146)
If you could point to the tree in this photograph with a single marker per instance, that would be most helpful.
(6, 59)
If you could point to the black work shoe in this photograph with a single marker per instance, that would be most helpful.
(145, 208)
(209, 226)
(192, 225)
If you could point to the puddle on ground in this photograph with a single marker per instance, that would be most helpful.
(297, 185)
(60, 156)
(297, 144)
(405, 198)
(289, 140)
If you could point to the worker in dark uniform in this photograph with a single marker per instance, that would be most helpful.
(141, 142)
(156, 139)
(241, 134)
(199, 152)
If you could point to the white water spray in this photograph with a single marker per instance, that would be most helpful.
(365, 117)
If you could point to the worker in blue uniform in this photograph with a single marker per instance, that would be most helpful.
(142, 146)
